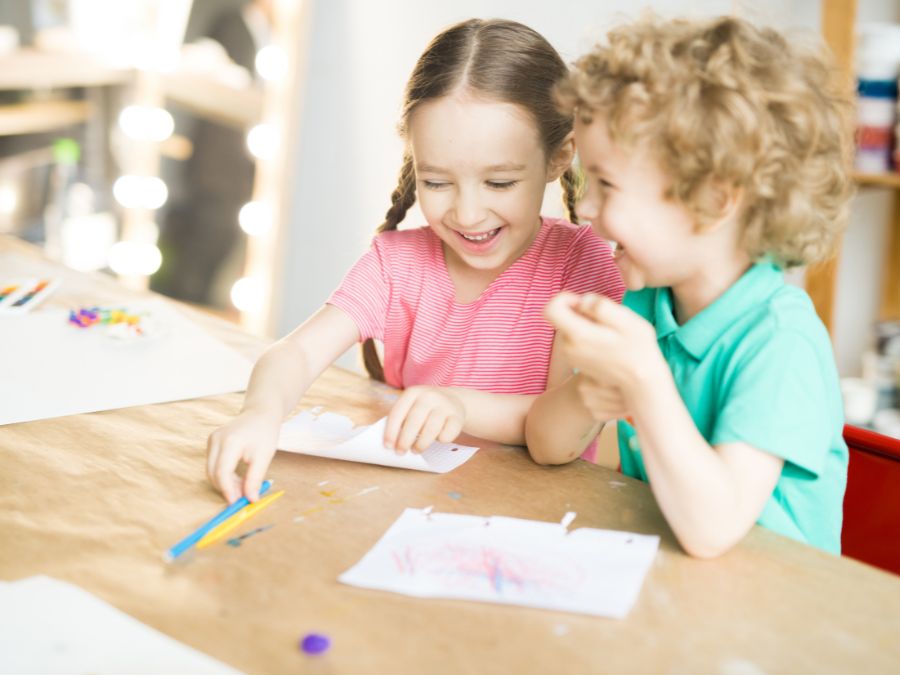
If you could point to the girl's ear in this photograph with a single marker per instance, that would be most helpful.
(562, 158)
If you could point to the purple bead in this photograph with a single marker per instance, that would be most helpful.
(314, 643)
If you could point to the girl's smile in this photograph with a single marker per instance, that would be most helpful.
(481, 172)
(480, 242)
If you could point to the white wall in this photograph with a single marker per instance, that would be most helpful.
(345, 163)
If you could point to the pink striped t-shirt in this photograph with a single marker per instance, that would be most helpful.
(401, 293)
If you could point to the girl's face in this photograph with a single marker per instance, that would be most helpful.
(624, 201)
(480, 179)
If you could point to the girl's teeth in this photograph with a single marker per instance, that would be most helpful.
(479, 237)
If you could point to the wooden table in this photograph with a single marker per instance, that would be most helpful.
(96, 499)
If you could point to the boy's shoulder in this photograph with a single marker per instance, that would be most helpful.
(785, 315)
(762, 310)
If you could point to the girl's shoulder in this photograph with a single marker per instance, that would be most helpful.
(414, 241)
(417, 248)
(565, 238)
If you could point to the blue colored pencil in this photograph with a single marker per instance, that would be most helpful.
(197, 535)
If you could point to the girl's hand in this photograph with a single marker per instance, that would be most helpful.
(421, 416)
(249, 437)
(607, 342)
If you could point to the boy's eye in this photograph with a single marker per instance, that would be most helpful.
(501, 184)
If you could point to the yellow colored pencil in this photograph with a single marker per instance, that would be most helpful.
(248, 511)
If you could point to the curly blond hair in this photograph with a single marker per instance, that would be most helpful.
(722, 102)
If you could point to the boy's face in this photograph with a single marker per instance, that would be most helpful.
(624, 202)
(480, 179)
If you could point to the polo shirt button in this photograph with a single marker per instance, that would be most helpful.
(633, 443)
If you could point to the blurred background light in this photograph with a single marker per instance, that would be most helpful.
(146, 123)
(255, 218)
(271, 63)
(262, 141)
(247, 293)
(131, 258)
(140, 192)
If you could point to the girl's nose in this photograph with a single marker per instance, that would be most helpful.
(469, 209)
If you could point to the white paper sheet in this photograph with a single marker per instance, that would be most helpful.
(508, 561)
(50, 627)
(50, 368)
(330, 435)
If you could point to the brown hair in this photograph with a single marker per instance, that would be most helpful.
(501, 61)
(724, 101)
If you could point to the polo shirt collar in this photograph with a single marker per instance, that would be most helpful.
(755, 286)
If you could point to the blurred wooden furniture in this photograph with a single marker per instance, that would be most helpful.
(34, 70)
(839, 31)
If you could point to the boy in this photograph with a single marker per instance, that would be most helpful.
(715, 155)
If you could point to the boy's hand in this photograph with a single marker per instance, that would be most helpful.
(250, 438)
(608, 343)
(603, 401)
(421, 416)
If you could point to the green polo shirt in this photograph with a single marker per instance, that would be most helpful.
(756, 366)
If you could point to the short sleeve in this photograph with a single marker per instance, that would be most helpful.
(364, 293)
(775, 400)
(590, 267)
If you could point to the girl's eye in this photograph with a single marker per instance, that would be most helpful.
(434, 185)
(502, 184)
(604, 184)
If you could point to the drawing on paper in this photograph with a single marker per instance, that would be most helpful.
(487, 568)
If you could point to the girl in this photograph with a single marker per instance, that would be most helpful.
(716, 154)
(457, 303)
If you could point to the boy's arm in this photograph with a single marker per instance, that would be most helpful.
(279, 379)
(710, 496)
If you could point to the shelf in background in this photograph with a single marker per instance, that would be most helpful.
(209, 98)
(39, 116)
(34, 69)
(891, 180)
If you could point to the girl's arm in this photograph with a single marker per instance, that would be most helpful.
(559, 426)
(279, 379)
(424, 414)
(710, 496)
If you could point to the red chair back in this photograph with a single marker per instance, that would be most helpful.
(871, 531)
